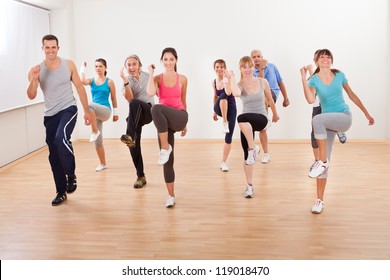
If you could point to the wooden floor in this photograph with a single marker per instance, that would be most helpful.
(107, 219)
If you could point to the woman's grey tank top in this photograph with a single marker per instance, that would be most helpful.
(57, 88)
(253, 103)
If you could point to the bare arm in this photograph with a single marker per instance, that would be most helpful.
(84, 80)
(33, 78)
(310, 92)
(270, 100)
(355, 99)
(80, 90)
(152, 86)
(111, 84)
(283, 90)
(128, 94)
(183, 82)
(235, 90)
(215, 98)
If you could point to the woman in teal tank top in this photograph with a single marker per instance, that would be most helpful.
(100, 110)
(328, 85)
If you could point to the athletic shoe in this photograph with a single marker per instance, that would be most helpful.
(140, 182)
(342, 137)
(266, 158)
(101, 167)
(60, 197)
(311, 166)
(318, 168)
(253, 155)
(225, 128)
(164, 155)
(128, 140)
(94, 136)
(317, 207)
(223, 166)
(248, 191)
(170, 201)
(71, 184)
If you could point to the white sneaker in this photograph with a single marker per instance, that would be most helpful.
(170, 201)
(253, 155)
(318, 168)
(223, 166)
(317, 207)
(266, 158)
(248, 192)
(101, 167)
(94, 136)
(225, 128)
(164, 155)
(311, 166)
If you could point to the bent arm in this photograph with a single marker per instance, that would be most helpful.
(270, 100)
(184, 91)
(355, 99)
(310, 92)
(33, 78)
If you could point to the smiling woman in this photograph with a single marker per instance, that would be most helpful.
(22, 27)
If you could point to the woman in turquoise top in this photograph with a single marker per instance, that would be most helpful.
(99, 108)
(328, 85)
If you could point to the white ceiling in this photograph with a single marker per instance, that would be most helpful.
(48, 4)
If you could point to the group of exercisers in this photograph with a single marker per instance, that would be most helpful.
(258, 87)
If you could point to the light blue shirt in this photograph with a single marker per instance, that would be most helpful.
(272, 75)
(331, 97)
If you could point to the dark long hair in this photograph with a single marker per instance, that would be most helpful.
(318, 54)
(104, 62)
(172, 51)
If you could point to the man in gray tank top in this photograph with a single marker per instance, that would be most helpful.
(55, 76)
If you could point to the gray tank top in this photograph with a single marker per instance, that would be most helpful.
(253, 103)
(57, 89)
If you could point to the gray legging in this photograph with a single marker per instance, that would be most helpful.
(168, 119)
(325, 127)
(102, 113)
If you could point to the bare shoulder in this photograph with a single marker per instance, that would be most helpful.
(71, 64)
(182, 78)
(111, 82)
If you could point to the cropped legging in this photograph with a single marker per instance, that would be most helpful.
(171, 120)
(316, 111)
(326, 125)
(102, 113)
(258, 123)
(231, 116)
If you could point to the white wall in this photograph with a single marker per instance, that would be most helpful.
(22, 132)
(287, 32)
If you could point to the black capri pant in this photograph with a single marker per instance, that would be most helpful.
(258, 123)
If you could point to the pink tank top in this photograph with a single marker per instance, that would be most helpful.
(170, 96)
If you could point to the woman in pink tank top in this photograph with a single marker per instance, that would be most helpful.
(170, 115)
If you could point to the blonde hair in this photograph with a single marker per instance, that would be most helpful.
(244, 61)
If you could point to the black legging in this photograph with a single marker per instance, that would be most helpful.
(168, 119)
(231, 116)
(258, 123)
(139, 115)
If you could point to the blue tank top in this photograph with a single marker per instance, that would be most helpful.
(231, 98)
(100, 93)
